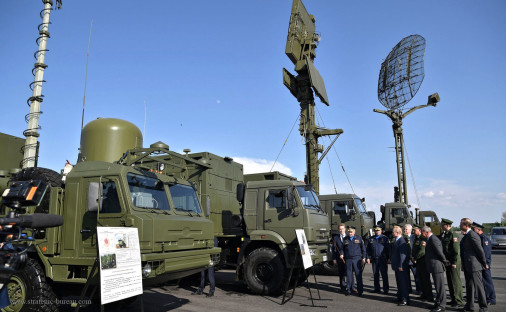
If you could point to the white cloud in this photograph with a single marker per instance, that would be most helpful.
(218, 101)
(501, 196)
(255, 165)
(429, 194)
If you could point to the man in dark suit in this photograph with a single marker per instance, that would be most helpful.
(473, 263)
(399, 261)
(435, 262)
(338, 240)
(410, 239)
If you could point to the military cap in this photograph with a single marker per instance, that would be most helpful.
(351, 228)
(416, 226)
(446, 221)
(477, 225)
(377, 228)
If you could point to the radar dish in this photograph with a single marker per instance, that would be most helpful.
(402, 72)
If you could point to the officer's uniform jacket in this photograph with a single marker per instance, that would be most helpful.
(378, 248)
(353, 247)
(451, 247)
(418, 250)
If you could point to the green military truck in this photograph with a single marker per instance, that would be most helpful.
(11, 156)
(175, 239)
(349, 209)
(255, 217)
(399, 213)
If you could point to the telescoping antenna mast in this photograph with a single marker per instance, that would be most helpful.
(301, 44)
(400, 77)
(31, 147)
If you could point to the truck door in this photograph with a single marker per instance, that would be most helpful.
(430, 219)
(112, 213)
(278, 217)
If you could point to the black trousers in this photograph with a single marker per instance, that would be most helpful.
(474, 280)
(439, 285)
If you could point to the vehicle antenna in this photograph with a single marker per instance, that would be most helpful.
(86, 75)
(400, 77)
(30, 149)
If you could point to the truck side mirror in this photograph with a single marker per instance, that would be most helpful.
(94, 195)
(411, 213)
(291, 198)
(240, 192)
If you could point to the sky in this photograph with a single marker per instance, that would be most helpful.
(208, 76)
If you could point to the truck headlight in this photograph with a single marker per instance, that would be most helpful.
(146, 270)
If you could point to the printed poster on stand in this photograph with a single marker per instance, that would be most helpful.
(304, 248)
(120, 263)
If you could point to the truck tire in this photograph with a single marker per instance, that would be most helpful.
(264, 271)
(35, 173)
(328, 268)
(29, 290)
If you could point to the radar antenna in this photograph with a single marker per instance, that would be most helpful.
(30, 149)
(301, 44)
(400, 77)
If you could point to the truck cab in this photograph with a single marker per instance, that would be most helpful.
(395, 214)
(348, 209)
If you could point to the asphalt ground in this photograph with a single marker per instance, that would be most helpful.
(234, 296)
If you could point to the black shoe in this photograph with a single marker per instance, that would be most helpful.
(360, 294)
(197, 292)
(210, 294)
(347, 294)
(465, 309)
(491, 303)
(377, 291)
(403, 303)
(438, 309)
(385, 292)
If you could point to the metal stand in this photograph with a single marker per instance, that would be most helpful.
(88, 281)
(301, 268)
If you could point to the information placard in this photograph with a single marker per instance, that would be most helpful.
(304, 248)
(120, 263)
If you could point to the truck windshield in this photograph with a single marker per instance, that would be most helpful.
(360, 206)
(184, 198)
(308, 198)
(147, 192)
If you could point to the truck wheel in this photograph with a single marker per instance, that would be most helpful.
(35, 173)
(328, 268)
(29, 291)
(264, 271)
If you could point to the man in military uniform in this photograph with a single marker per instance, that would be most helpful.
(486, 273)
(378, 251)
(354, 256)
(451, 250)
(418, 259)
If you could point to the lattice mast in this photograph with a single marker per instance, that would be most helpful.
(400, 77)
(301, 44)
(30, 150)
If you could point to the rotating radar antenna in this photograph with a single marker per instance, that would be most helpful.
(400, 77)
(402, 72)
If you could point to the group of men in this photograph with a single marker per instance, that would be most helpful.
(420, 252)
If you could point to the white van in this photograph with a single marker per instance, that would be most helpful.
(498, 237)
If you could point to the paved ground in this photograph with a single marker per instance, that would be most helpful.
(233, 296)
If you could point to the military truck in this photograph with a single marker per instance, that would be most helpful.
(11, 157)
(255, 217)
(400, 214)
(349, 209)
(110, 187)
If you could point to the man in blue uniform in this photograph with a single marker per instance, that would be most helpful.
(486, 273)
(354, 256)
(378, 251)
(338, 247)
